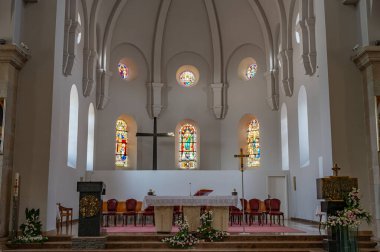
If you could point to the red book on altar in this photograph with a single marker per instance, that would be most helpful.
(203, 192)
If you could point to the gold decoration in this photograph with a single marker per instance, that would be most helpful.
(88, 206)
(335, 187)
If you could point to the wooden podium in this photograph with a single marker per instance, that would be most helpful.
(333, 190)
(90, 207)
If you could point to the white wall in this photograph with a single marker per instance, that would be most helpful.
(122, 185)
(303, 201)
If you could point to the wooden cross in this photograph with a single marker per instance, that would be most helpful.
(241, 156)
(335, 169)
(155, 135)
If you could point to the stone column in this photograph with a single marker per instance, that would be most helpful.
(12, 59)
(368, 62)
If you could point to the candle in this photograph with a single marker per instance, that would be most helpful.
(16, 184)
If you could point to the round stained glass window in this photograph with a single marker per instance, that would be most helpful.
(123, 71)
(187, 78)
(251, 71)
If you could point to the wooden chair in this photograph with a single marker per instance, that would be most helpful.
(254, 205)
(130, 210)
(111, 211)
(177, 214)
(235, 213)
(267, 209)
(274, 211)
(65, 212)
(149, 211)
(245, 203)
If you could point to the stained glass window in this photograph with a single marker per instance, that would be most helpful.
(121, 144)
(187, 147)
(253, 144)
(123, 71)
(187, 78)
(251, 71)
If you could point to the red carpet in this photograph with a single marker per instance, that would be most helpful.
(231, 229)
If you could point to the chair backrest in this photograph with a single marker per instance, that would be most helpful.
(234, 209)
(267, 204)
(130, 205)
(254, 204)
(177, 208)
(112, 205)
(275, 204)
(149, 209)
(245, 204)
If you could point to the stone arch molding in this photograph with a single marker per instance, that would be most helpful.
(71, 31)
(307, 27)
(271, 74)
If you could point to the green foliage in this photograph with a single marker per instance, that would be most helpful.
(207, 232)
(31, 228)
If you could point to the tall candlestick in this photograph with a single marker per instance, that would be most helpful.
(16, 186)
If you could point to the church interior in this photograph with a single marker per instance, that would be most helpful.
(161, 95)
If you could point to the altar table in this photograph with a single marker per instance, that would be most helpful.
(163, 210)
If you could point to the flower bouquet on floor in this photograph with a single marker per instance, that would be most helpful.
(344, 225)
(207, 232)
(183, 239)
(31, 228)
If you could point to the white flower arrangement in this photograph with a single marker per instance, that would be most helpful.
(352, 215)
(183, 239)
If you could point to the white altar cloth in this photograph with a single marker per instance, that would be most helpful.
(191, 209)
(190, 201)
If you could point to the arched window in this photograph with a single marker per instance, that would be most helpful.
(187, 76)
(284, 137)
(303, 128)
(247, 68)
(187, 140)
(90, 138)
(253, 143)
(73, 128)
(121, 151)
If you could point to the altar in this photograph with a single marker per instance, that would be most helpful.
(163, 210)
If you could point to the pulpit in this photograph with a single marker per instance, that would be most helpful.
(332, 191)
(90, 207)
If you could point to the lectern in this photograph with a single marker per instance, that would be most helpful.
(333, 190)
(90, 207)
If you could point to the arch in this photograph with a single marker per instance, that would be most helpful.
(216, 41)
(187, 145)
(158, 40)
(284, 137)
(73, 128)
(238, 52)
(249, 140)
(303, 127)
(90, 138)
(125, 142)
(124, 46)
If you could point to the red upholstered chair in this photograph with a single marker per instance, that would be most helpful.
(177, 213)
(274, 211)
(245, 203)
(254, 205)
(149, 211)
(111, 210)
(235, 213)
(130, 210)
(267, 209)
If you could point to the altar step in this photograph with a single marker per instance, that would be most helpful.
(152, 243)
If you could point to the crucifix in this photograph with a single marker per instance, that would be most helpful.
(335, 169)
(242, 156)
(155, 135)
